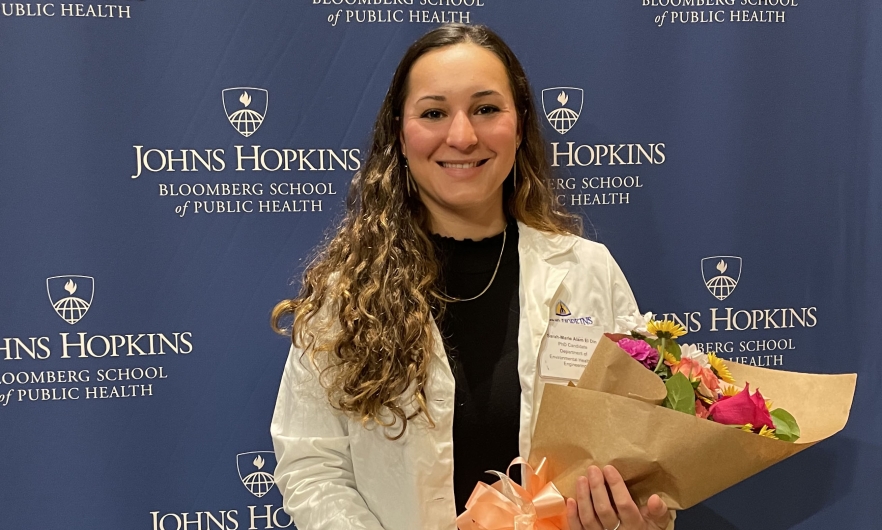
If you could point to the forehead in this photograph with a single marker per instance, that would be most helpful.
(462, 68)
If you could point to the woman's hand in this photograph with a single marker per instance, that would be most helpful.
(592, 509)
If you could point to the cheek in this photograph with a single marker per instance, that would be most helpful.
(503, 136)
(418, 141)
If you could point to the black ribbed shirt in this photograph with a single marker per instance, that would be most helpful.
(481, 339)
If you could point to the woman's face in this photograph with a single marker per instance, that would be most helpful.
(460, 130)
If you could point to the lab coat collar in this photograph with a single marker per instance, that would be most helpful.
(544, 244)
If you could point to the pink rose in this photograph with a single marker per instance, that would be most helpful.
(641, 352)
(741, 409)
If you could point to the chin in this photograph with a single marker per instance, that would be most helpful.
(463, 204)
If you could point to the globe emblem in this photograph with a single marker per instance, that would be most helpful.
(562, 119)
(245, 108)
(721, 286)
(259, 483)
(74, 306)
(554, 102)
(246, 121)
(71, 309)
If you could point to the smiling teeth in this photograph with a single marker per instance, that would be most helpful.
(459, 166)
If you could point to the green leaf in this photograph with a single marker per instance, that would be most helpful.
(674, 349)
(786, 427)
(681, 396)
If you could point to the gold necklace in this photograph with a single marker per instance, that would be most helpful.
(452, 299)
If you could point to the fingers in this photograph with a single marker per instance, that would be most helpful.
(586, 518)
(625, 506)
(600, 499)
(657, 512)
(594, 509)
(573, 520)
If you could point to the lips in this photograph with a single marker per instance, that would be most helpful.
(462, 165)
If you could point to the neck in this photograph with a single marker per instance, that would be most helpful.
(478, 225)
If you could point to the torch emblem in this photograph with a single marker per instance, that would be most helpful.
(562, 107)
(721, 275)
(71, 296)
(256, 471)
(245, 108)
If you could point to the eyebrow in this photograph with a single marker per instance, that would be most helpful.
(476, 95)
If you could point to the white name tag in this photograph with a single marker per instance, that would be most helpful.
(565, 350)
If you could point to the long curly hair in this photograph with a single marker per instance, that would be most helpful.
(369, 298)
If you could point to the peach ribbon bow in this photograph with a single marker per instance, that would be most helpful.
(507, 506)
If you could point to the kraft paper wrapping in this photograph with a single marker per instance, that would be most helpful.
(611, 417)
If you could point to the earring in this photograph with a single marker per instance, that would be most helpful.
(408, 179)
(514, 183)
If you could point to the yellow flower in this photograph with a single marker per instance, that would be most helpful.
(670, 359)
(729, 390)
(706, 399)
(769, 405)
(665, 329)
(765, 432)
(720, 368)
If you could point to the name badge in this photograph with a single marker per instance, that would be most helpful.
(566, 349)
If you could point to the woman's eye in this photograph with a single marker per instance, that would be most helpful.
(432, 114)
(487, 109)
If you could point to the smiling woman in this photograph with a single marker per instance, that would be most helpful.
(415, 336)
(459, 135)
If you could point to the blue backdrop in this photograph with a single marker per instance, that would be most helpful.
(167, 166)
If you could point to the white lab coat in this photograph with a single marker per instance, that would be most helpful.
(335, 474)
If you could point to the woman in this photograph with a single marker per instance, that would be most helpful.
(386, 420)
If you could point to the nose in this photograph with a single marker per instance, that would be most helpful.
(461, 134)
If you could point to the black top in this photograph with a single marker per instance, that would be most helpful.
(481, 339)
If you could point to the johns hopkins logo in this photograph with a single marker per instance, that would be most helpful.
(562, 106)
(256, 471)
(561, 309)
(245, 108)
(721, 275)
(71, 296)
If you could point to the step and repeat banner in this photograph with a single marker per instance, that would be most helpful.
(167, 167)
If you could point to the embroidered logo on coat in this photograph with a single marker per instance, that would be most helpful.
(561, 309)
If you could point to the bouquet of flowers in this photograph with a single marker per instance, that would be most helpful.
(627, 410)
(701, 384)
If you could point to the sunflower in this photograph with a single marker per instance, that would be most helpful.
(729, 390)
(665, 329)
(719, 368)
(765, 432)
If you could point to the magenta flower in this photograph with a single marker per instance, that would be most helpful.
(641, 352)
(743, 408)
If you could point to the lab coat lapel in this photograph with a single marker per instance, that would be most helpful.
(544, 265)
